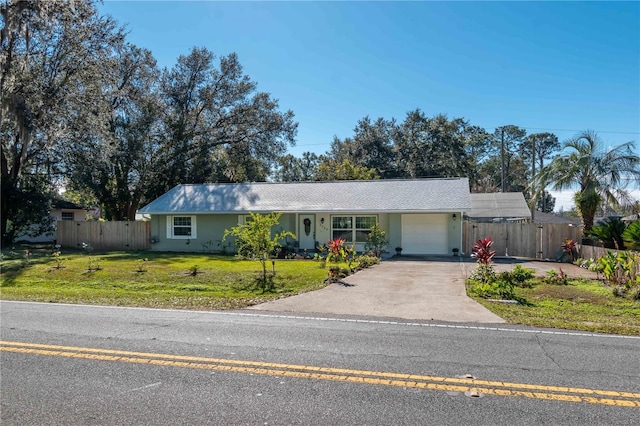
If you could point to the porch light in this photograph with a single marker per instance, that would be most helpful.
(454, 216)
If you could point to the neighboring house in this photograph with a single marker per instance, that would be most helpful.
(499, 207)
(550, 218)
(423, 216)
(60, 210)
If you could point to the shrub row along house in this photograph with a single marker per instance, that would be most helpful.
(423, 216)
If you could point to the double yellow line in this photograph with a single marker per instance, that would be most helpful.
(448, 384)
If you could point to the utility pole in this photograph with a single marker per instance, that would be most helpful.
(502, 157)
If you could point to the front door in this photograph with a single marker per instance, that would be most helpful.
(307, 231)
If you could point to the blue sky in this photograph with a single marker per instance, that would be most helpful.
(546, 66)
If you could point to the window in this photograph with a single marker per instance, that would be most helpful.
(243, 219)
(67, 216)
(352, 228)
(181, 227)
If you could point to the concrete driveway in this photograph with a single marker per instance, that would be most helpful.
(430, 288)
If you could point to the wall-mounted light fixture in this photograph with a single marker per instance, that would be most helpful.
(322, 221)
(454, 216)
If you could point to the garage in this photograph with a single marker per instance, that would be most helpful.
(424, 234)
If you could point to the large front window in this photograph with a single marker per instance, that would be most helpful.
(181, 227)
(352, 228)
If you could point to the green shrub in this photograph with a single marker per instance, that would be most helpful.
(57, 257)
(366, 260)
(520, 276)
(141, 265)
(556, 278)
(499, 288)
(376, 240)
(194, 270)
(94, 263)
(483, 273)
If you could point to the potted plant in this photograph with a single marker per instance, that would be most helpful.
(398, 251)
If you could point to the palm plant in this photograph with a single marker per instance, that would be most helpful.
(610, 233)
(599, 173)
(631, 235)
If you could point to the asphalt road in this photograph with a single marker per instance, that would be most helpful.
(80, 365)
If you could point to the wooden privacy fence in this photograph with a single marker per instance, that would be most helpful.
(542, 241)
(104, 235)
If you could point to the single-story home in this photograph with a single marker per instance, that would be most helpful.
(423, 216)
(499, 207)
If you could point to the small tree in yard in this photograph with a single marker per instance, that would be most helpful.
(376, 240)
(254, 240)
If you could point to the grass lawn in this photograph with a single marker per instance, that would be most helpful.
(164, 280)
(581, 305)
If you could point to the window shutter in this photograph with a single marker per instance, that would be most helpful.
(169, 227)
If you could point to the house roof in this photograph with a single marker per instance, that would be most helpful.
(63, 204)
(508, 205)
(541, 217)
(416, 195)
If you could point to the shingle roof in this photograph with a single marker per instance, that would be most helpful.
(62, 204)
(417, 195)
(541, 217)
(499, 205)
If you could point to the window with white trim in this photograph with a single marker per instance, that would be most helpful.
(352, 228)
(181, 227)
(243, 219)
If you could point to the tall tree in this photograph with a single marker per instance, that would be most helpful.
(536, 148)
(600, 174)
(330, 169)
(293, 169)
(546, 202)
(544, 145)
(118, 166)
(52, 54)
(218, 127)
(507, 146)
(477, 147)
(431, 147)
(370, 147)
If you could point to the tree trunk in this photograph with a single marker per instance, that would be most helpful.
(588, 202)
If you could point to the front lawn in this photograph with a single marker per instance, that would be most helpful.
(149, 279)
(581, 304)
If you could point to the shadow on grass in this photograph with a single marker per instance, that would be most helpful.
(14, 268)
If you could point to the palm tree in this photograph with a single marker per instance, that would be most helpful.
(599, 173)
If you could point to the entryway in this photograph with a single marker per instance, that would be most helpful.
(307, 231)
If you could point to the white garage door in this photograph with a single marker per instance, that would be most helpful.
(425, 234)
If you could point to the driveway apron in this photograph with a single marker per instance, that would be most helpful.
(421, 289)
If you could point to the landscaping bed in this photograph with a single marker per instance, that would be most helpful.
(558, 295)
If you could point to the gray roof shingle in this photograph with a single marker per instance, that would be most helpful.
(499, 205)
(418, 195)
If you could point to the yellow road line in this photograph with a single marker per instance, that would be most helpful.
(450, 384)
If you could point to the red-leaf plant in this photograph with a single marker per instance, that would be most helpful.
(569, 246)
(335, 247)
(482, 251)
